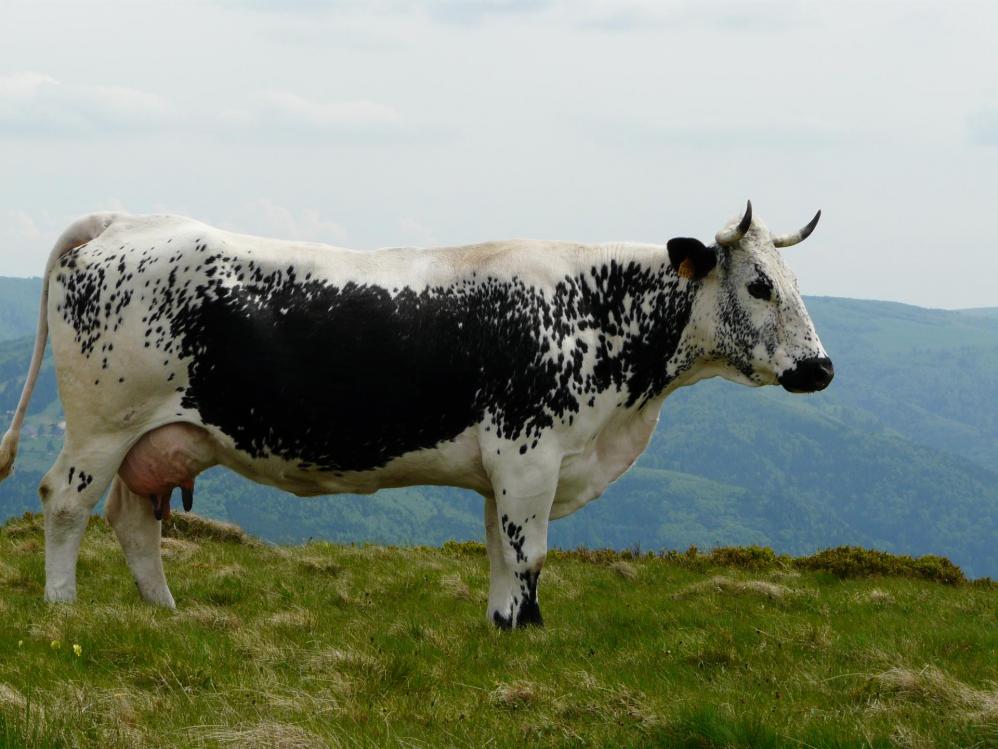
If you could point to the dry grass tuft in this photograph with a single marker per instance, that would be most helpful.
(178, 548)
(875, 596)
(209, 616)
(51, 622)
(10, 697)
(338, 659)
(933, 686)
(264, 735)
(28, 546)
(292, 618)
(188, 526)
(625, 569)
(320, 565)
(456, 587)
(905, 737)
(229, 570)
(633, 705)
(723, 584)
(515, 694)
(29, 524)
(254, 645)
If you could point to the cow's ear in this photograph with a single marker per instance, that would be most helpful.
(691, 258)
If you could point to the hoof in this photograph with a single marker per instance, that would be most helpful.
(527, 616)
(60, 596)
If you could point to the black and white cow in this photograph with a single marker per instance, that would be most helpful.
(531, 372)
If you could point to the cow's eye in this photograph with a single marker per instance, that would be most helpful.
(761, 288)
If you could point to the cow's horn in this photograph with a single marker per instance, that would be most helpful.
(731, 236)
(786, 240)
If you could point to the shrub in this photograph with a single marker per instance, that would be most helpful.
(852, 561)
(745, 557)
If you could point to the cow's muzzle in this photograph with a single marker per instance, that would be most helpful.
(808, 375)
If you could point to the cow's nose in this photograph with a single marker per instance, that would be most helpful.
(809, 375)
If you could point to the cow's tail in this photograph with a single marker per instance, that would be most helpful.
(79, 232)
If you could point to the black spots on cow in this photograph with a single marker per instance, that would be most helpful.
(72, 471)
(85, 479)
(514, 533)
(502, 621)
(82, 306)
(406, 368)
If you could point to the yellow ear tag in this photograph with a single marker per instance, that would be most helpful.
(686, 269)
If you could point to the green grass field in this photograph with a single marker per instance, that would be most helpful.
(324, 645)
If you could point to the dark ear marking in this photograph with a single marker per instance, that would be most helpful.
(691, 258)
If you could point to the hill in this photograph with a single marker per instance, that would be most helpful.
(323, 645)
(18, 306)
(899, 453)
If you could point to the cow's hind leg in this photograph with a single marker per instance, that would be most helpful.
(134, 522)
(69, 492)
(516, 530)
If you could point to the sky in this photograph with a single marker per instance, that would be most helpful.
(387, 122)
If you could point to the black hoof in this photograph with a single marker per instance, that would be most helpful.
(529, 615)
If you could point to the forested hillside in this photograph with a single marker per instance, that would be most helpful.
(898, 454)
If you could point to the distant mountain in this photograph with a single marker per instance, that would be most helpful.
(18, 306)
(899, 453)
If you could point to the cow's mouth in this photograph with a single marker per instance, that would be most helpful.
(808, 375)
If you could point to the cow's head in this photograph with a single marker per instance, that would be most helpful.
(749, 323)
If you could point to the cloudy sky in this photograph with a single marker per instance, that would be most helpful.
(381, 122)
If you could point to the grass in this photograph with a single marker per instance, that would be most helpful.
(324, 645)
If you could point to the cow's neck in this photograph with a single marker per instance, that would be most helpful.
(640, 309)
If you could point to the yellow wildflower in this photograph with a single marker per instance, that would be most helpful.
(55, 644)
(77, 649)
(20, 643)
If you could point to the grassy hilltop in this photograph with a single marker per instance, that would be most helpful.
(325, 645)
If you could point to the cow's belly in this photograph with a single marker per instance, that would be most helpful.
(455, 462)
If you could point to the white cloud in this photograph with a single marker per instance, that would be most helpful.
(283, 110)
(34, 104)
(24, 242)
(982, 127)
(416, 233)
(606, 15)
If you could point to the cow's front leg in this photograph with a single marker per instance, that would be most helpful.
(138, 531)
(516, 530)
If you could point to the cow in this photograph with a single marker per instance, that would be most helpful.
(531, 372)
